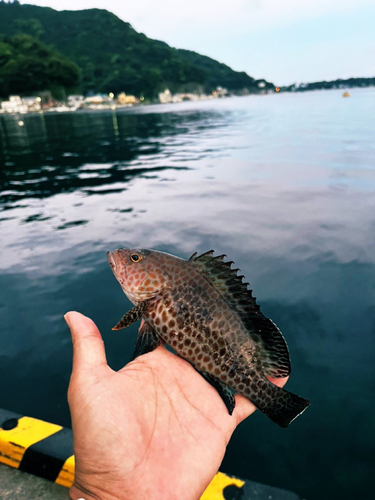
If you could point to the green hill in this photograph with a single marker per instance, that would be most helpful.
(27, 65)
(340, 83)
(113, 57)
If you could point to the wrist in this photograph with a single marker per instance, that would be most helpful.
(78, 492)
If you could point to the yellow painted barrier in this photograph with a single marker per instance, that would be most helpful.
(15, 442)
(216, 487)
(66, 475)
(45, 449)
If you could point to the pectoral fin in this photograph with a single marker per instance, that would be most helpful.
(131, 316)
(224, 392)
(148, 340)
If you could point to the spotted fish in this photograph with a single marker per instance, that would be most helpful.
(204, 311)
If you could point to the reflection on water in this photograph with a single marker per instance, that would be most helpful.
(283, 184)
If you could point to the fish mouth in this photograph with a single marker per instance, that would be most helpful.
(118, 268)
(111, 261)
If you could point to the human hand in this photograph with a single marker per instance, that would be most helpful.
(153, 430)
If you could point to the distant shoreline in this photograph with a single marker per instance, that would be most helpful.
(144, 106)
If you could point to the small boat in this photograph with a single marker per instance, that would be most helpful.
(346, 94)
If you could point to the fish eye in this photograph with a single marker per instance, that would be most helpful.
(135, 257)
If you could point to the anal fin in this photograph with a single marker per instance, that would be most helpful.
(224, 392)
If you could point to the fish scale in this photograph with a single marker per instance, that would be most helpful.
(203, 310)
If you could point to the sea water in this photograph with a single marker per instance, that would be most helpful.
(283, 184)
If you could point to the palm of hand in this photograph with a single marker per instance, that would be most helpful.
(155, 429)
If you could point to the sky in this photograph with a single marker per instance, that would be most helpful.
(283, 41)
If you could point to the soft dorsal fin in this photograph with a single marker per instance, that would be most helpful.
(270, 342)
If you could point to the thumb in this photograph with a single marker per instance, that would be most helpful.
(88, 347)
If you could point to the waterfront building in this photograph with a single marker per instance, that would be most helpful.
(17, 104)
(127, 100)
(165, 97)
(75, 101)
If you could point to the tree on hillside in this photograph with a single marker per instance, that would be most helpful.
(30, 27)
(27, 65)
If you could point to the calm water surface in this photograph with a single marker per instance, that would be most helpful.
(283, 184)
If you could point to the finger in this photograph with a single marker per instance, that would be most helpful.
(244, 408)
(88, 347)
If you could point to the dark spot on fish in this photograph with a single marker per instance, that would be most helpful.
(180, 322)
(164, 329)
(187, 342)
(172, 323)
(207, 332)
(157, 321)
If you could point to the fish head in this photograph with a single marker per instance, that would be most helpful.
(141, 273)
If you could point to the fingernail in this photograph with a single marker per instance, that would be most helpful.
(66, 317)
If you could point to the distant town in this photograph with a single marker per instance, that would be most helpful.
(45, 102)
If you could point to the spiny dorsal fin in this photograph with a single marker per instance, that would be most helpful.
(270, 342)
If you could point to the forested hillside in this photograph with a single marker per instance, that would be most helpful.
(27, 65)
(113, 57)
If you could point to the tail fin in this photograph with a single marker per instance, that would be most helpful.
(285, 406)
